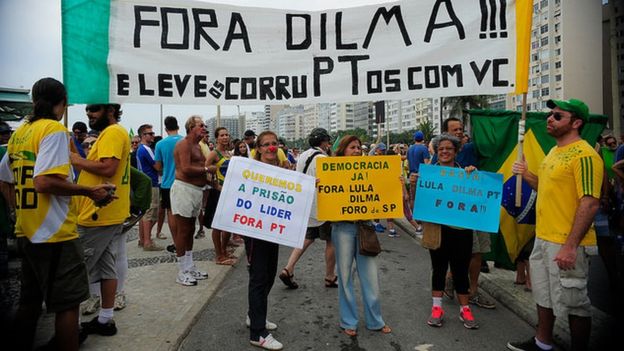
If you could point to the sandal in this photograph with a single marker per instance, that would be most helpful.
(287, 279)
(331, 283)
(350, 332)
(385, 330)
(161, 236)
(226, 262)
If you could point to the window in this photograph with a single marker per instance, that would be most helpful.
(545, 91)
(535, 8)
(557, 25)
(545, 78)
(536, 93)
(544, 29)
(545, 66)
(544, 105)
(558, 39)
(534, 69)
(545, 54)
(534, 57)
(534, 45)
(544, 4)
(558, 64)
(544, 41)
(558, 78)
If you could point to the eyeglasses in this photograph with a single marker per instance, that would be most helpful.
(93, 108)
(269, 144)
(135, 143)
(556, 116)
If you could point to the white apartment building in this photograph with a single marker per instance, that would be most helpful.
(257, 121)
(289, 123)
(565, 54)
(352, 115)
(230, 122)
(406, 115)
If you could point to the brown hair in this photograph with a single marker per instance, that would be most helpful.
(259, 142)
(344, 142)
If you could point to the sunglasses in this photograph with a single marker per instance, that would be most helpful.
(556, 116)
(150, 133)
(135, 143)
(93, 108)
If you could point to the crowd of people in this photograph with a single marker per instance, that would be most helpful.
(74, 198)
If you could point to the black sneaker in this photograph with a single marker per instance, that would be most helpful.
(528, 345)
(171, 248)
(95, 327)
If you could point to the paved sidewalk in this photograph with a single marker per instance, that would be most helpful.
(499, 284)
(160, 312)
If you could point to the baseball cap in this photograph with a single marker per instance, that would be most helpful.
(381, 146)
(575, 106)
(250, 133)
(419, 136)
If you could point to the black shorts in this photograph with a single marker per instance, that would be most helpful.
(54, 273)
(211, 206)
(165, 198)
(323, 232)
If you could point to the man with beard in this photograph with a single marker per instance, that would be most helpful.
(100, 229)
(186, 198)
(568, 183)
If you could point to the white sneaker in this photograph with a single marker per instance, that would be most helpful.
(185, 279)
(91, 305)
(268, 326)
(197, 274)
(268, 343)
(120, 301)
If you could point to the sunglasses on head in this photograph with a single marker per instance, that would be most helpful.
(93, 108)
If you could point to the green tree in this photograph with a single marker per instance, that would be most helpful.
(458, 105)
(428, 129)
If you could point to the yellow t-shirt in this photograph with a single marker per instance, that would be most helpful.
(112, 142)
(35, 149)
(566, 175)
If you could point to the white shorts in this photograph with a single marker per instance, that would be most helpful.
(565, 292)
(186, 199)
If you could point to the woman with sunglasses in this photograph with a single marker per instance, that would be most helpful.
(344, 237)
(262, 258)
(455, 250)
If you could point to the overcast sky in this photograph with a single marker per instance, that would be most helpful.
(30, 40)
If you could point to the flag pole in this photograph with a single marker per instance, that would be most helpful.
(521, 128)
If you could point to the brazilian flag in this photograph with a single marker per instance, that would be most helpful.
(495, 137)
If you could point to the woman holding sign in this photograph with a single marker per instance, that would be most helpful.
(262, 258)
(455, 249)
(344, 237)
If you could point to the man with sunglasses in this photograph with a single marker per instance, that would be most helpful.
(568, 184)
(100, 229)
(145, 164)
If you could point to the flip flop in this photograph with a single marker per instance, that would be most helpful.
(161, 236)
(226, 262)
(331, 283)
(287, 279)
(350, 332)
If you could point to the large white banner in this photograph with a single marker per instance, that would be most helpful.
(265, 202)
(196, 52)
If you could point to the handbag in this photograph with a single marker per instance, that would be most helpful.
(367, 237)
(432, 236)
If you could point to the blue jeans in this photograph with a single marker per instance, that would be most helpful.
(345, 240)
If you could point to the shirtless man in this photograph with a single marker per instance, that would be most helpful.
(186, 197)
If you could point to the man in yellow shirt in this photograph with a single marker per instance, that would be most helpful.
(37, 162)
(100, 229)
(568, 185)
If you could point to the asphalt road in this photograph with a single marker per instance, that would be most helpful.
(308, 317)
